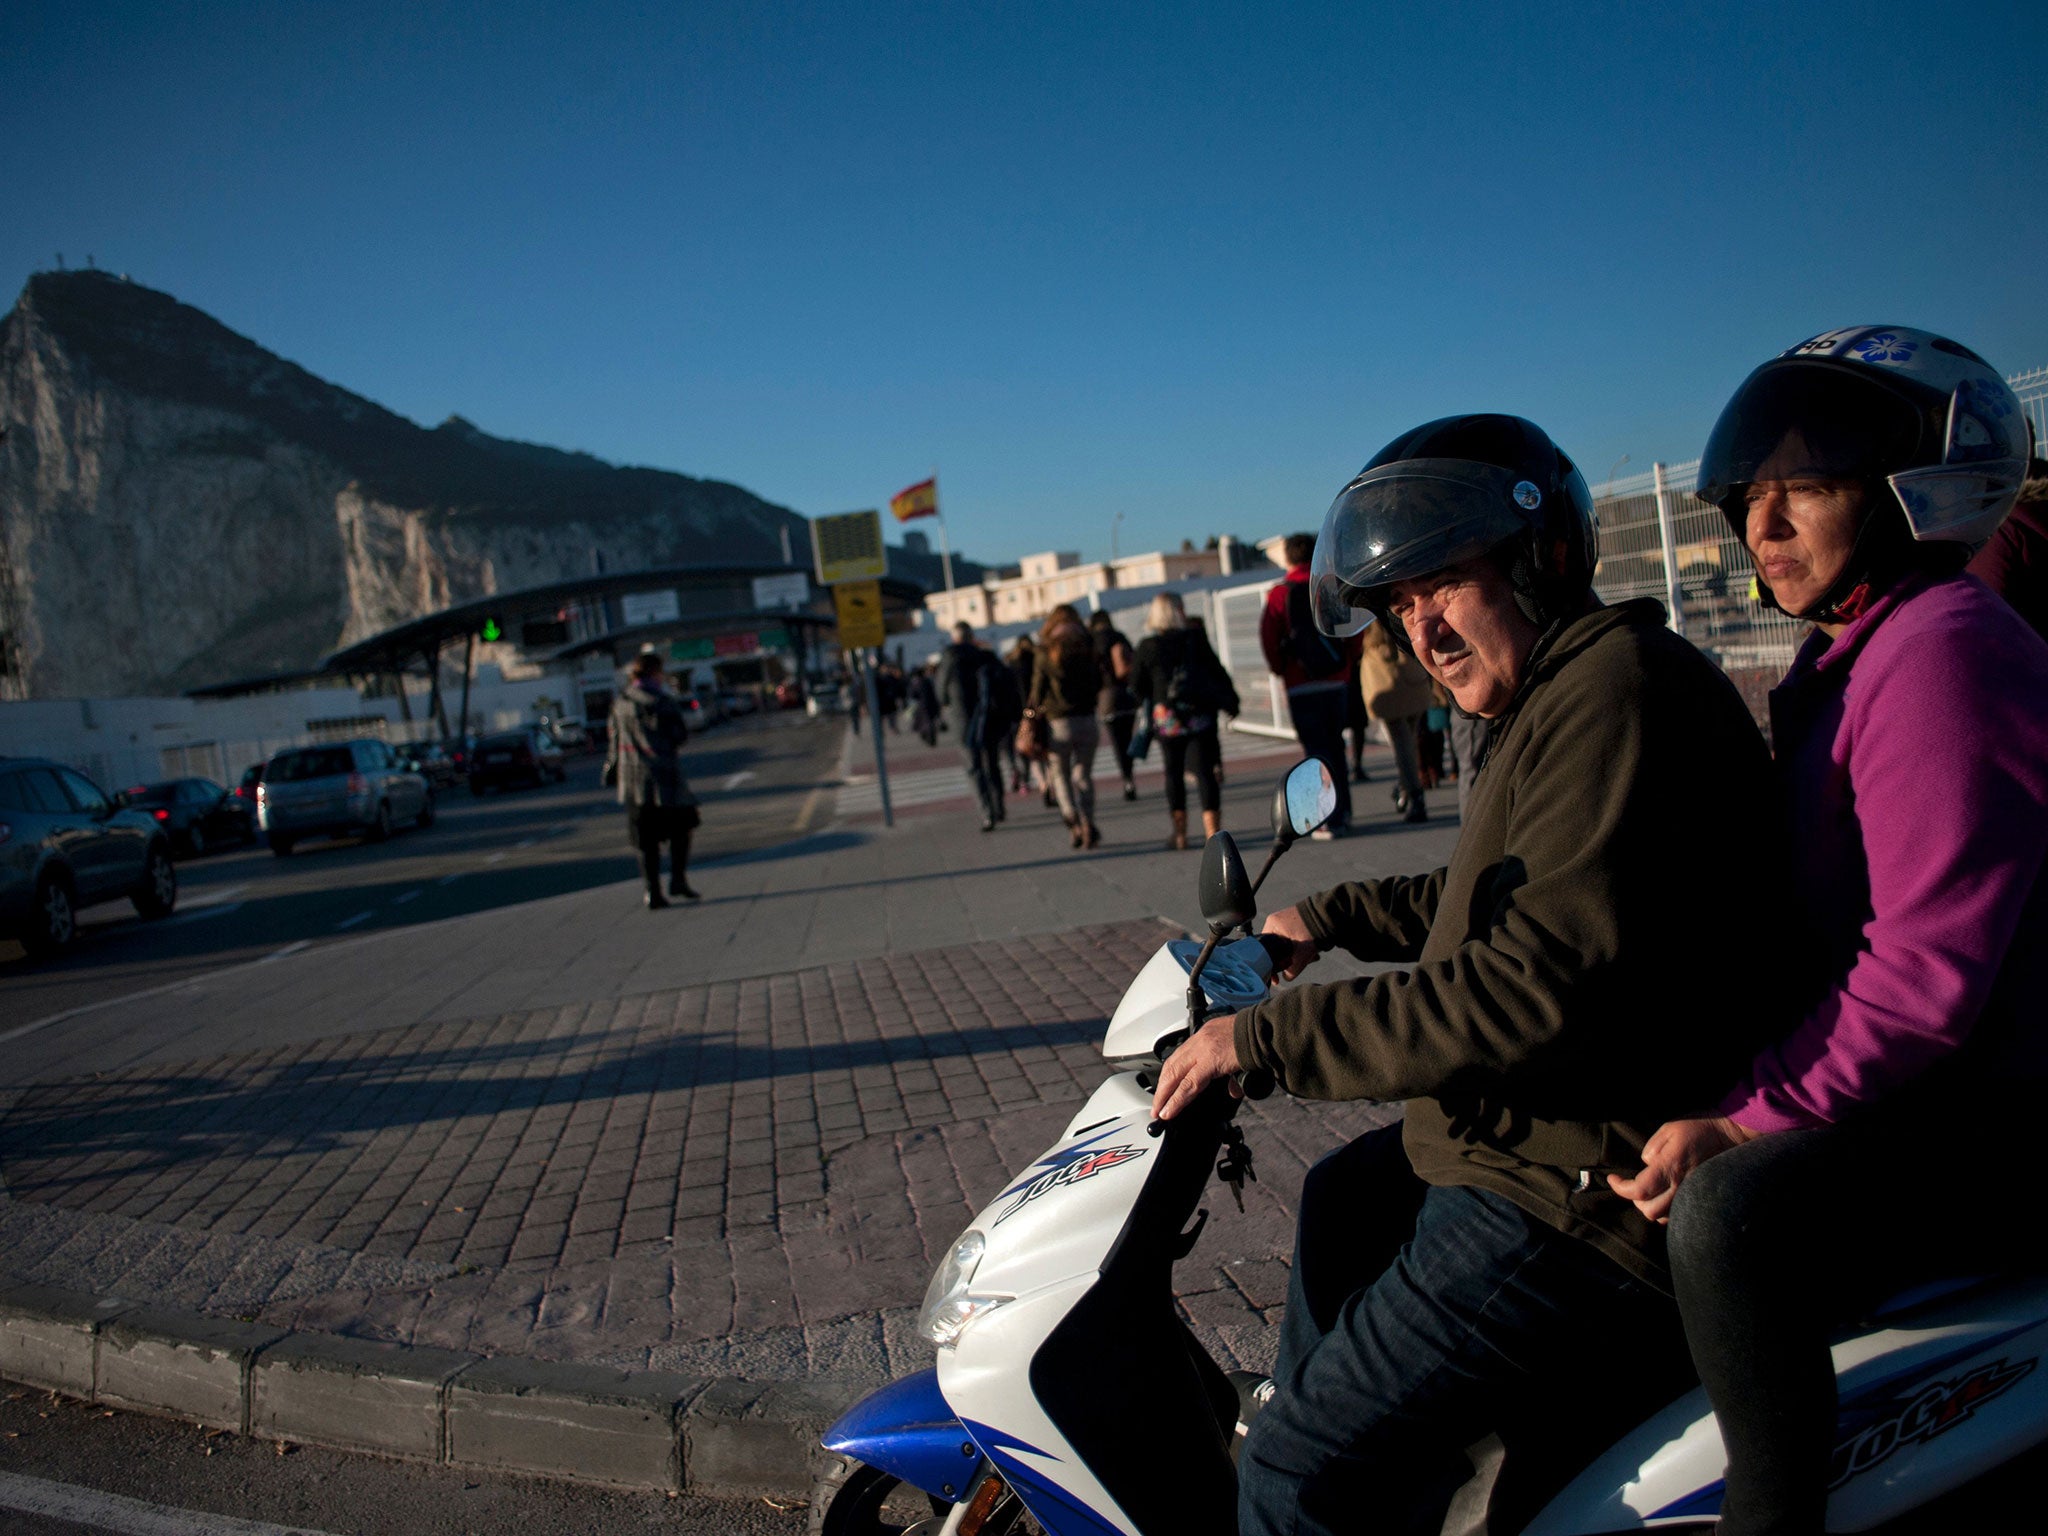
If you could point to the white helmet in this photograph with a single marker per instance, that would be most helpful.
(1924, 414)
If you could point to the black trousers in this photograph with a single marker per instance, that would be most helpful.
(1319, 715)
(1206, 751)
(649, 826)
(1778, 1242)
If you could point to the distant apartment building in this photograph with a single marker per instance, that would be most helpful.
(1044, 581)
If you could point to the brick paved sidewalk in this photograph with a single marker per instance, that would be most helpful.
(750, 1177)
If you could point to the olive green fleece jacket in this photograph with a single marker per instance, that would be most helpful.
(1578, 972)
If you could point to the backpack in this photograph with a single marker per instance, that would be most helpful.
(1197, 684)
(1314, 652)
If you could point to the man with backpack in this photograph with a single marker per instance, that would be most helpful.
(1315, 669)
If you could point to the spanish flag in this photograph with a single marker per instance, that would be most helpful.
(920, 500)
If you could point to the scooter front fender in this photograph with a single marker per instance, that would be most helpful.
(907, 1430)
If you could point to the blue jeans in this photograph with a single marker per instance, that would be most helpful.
(1422, 1319)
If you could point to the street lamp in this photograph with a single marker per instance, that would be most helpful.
(1112, 535)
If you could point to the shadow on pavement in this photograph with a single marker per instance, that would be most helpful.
(97, 1142)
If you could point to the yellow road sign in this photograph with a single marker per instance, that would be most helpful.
(848, 547)
(860, 613)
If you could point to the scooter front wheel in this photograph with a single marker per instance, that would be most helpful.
(852, 1498)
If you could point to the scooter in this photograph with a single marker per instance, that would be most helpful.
(1069, 1396)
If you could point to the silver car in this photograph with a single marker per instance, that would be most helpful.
(338, 791)
(64, 845)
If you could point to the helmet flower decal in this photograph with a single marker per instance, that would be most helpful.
(1884, 347)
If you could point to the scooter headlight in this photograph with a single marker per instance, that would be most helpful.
(950, 1303)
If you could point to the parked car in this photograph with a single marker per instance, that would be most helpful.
(700, 708)
(738, 701)
(64, 846)
(789, 694)
(528, 755)
(197, 813)
(245, 791)
(430, 760)
(352, 787)
(572, 735)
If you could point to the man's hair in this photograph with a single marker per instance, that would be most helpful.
(647, 663)
(962, 632)
(1299, 549)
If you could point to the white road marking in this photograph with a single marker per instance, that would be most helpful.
(735, 780)
(449, 879)
(528, 843)
(350, 922)
(496, 858)
(129, 1517)
(399, 901)
(206, 897)
(203, 913)
(148, 992)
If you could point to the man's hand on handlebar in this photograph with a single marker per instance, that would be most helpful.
(1287, 924)
(1209, 1053)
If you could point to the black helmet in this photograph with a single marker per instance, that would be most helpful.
(1445, 492)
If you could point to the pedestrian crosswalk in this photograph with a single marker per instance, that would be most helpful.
(860, 794)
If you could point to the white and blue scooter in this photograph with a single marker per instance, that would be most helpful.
(1069, 1397)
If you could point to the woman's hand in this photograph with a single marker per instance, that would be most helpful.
(1209, 1053)
(1669, 1157)
(1287, 924)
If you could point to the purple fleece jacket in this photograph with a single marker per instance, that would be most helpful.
(1913, 749)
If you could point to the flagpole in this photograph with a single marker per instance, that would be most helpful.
(945, 544)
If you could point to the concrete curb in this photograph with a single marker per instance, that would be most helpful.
(593, 1424)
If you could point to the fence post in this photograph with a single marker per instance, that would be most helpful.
(1674, 606)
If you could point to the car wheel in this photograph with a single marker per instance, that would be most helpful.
(195, 839)
(53, 923)
(281, 846)
(158, 893)
(425, 819)
(380, 829)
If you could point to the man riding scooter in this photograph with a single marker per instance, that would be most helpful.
(1472, 1266)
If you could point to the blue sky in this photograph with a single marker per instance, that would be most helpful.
(1193, 264)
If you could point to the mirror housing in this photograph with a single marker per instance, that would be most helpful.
(1226, 889)
(1306, 800)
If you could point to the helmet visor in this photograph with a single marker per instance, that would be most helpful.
(1796, 419)
(1407, 519)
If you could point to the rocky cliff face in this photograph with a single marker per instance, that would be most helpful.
(179, 506)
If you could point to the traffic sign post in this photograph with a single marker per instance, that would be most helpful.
(851, 561)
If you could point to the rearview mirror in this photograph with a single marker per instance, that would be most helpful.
(1226, 890)
(1306, 800)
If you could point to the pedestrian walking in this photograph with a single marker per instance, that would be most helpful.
(1020, 664)
(641, 758)
(1315, 670)
(1429, 737)
(1357, 720)
(1064, 687)
(924, 703)
(1114, 705)
(890, 692)
(967, 689)
(1184, 690)
(1396, 691)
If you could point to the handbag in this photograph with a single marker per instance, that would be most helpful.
(1034, 736)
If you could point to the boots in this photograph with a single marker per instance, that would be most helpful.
(1092, 834)
(1179, 840)
(1416, 810)
(650, 871)
(1130, 787)
(1212, 823)
(678, 867)
(1075, 836)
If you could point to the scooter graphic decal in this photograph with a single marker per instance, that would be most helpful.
(1875, 1422)
(1058, 1170)
(1934, 1409)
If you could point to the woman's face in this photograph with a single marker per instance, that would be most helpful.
(1800, 527)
